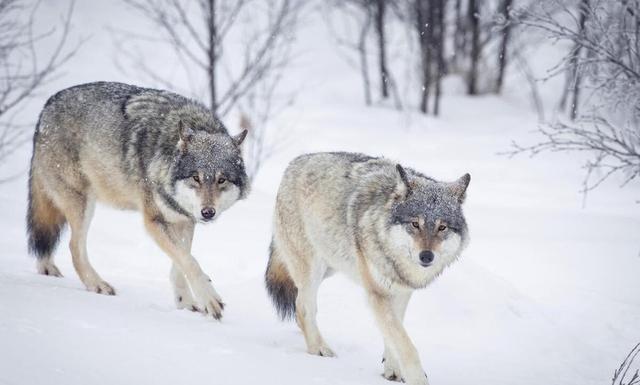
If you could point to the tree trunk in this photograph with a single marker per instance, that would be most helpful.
(362, 53)
(382, 54)
(212, 31)
(424, 28)
(502, 54)
(439, 25)
(474, 10)
(584, 7)
(570, 82)
(458, 35)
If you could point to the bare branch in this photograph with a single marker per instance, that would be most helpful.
(198, 35)
(603, 62)
(628, 373)
(615, 149)
(21, 68)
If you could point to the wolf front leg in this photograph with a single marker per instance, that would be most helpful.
(391, 365)
(181, 291)
(169, 236)
(396, 338)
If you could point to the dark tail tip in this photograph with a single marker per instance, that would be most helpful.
(42, 242)
(280, 286)
(44, 224)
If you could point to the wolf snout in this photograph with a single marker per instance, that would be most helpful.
(208, 213)
(426, 257)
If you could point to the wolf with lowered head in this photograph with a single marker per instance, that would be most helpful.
(133, 148)
(391, 229)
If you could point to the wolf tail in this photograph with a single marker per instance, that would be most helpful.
(280, 286)
(44, 220)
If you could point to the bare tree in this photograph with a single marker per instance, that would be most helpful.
(424, 27)
(380, 9)
(577, 78)
(459, 37)
(363, 14)
(615, 149)
(360, 14)
(439, 47)
(532, 81)
(606, 31)
(572, 85)
(474, 23)
(505, 16)
(197, 32)
(609, 70)
(24, 71)
(362, 53)
(264, 101)
(429, 23)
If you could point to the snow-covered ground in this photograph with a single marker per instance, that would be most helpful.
(548, 291)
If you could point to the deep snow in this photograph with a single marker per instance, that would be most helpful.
(547, 292)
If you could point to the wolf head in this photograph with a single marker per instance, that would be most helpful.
(209, 174)
(426, 225)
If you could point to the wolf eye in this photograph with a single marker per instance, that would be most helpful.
(196, 178)
(442, 228)
(415, 224)
(221, 180)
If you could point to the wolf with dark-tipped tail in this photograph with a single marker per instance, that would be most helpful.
(133, 148)
(391, 229)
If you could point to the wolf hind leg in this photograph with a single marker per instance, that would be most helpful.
(46, 266)
(79, 212)
(298, 271)
(306, 310)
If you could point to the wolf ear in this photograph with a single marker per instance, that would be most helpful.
(406, 187)
(238, 139)
(459, 187)
(186, 134)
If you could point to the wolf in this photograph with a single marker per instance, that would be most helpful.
(139, 149)
(391, 229)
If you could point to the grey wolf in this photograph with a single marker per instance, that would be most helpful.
(391, 229)
(133, 148)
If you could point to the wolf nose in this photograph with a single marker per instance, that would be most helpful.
(208, 212)
(426, 257)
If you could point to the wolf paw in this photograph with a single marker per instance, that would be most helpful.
(209, 300)
(213, 307)
(101, 287)
(322, 351)
(48, 268)
(392, 375)
(186, 302)
(391, 370)
(419, 379)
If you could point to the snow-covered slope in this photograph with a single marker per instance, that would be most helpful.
(547, 292)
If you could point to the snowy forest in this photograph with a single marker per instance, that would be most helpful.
(539, 100)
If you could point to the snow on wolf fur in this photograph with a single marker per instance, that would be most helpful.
(133, 148)
(391, 230)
